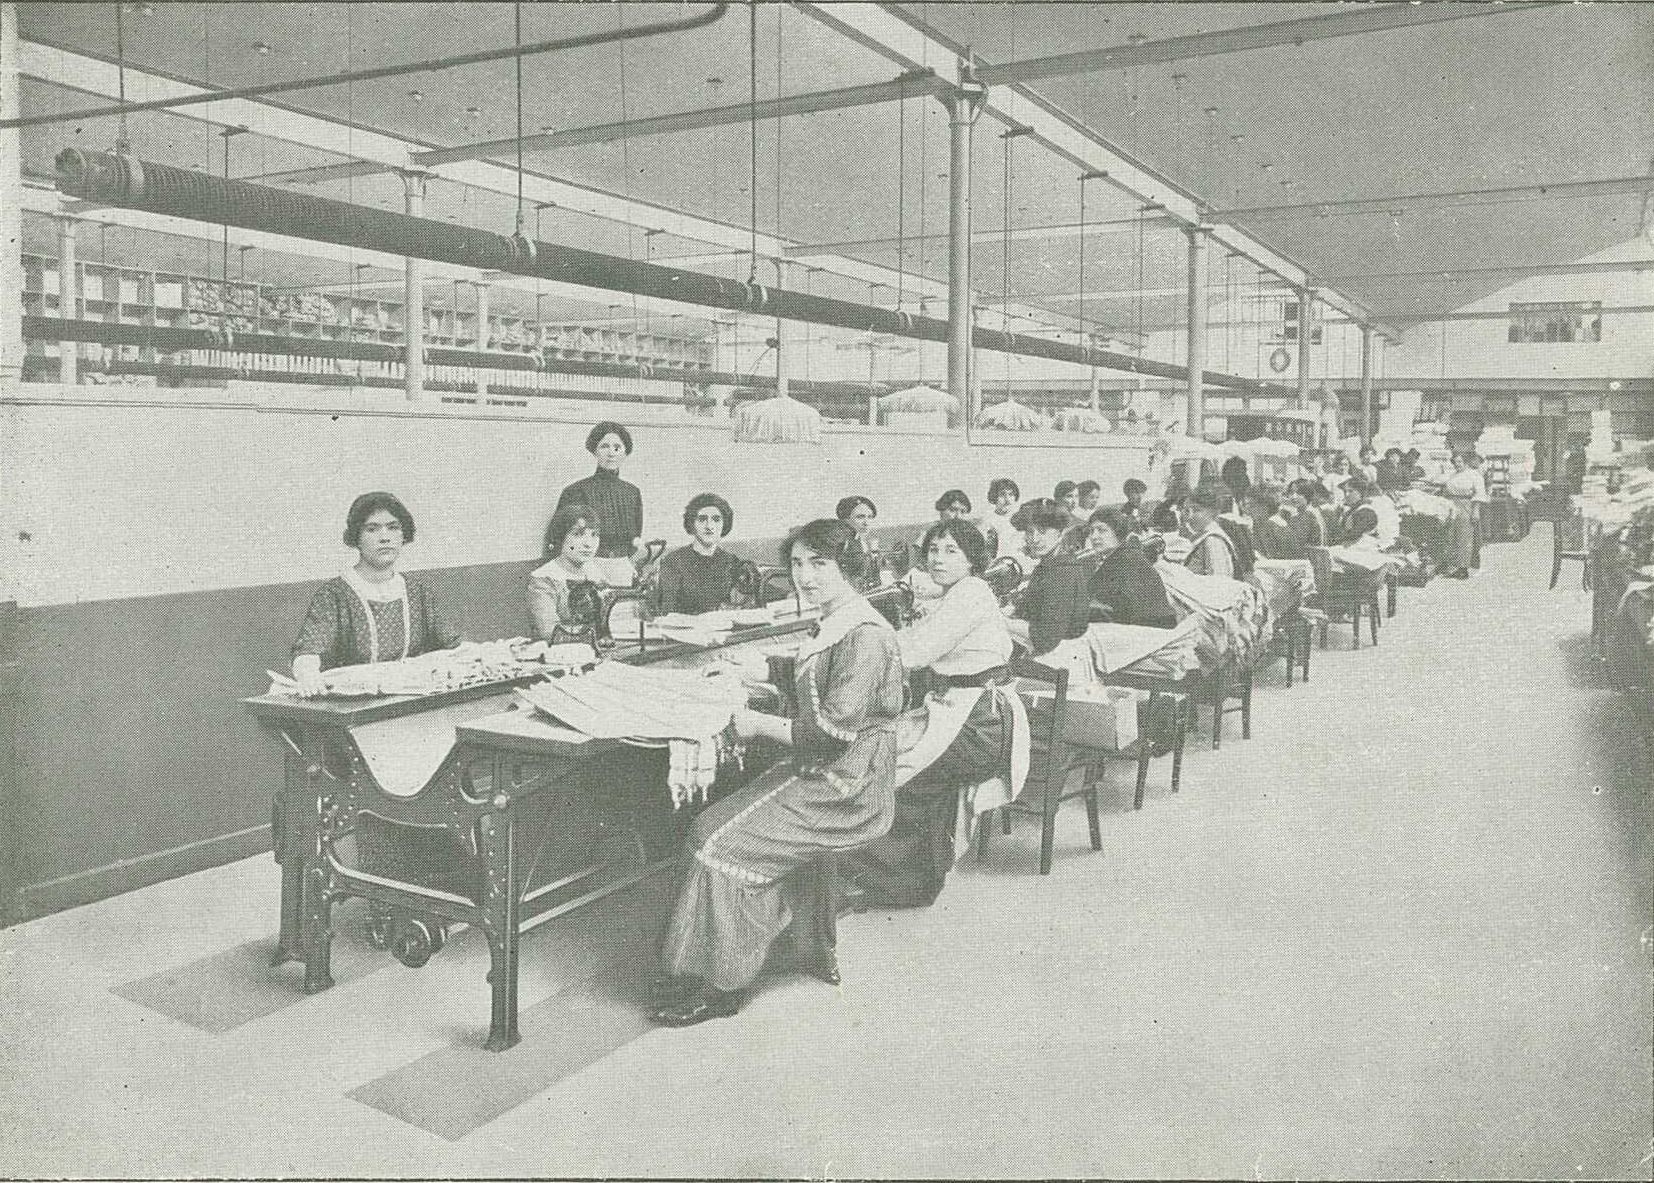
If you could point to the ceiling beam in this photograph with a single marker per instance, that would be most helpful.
(1451, 274)
(1368, 18)
(898, 37)
(909, 85)
(91, 75)
(1414, 202)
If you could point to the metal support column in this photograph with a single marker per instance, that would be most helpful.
(413, 295)
(68, 300)
(11, 207)
(1305, 295)
(1196, 426)
(482, 337)
(964, 106)
(1366, 385)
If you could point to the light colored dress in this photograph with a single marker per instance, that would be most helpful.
(751, 875)
(548, 588)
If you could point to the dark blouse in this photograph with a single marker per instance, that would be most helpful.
(693, 582)
(1057, 601)
(1246, 554)
(1277, 540)
(336, 626)
(1309, 528)
(1361, 521)
(619, 509)
(1127, 583)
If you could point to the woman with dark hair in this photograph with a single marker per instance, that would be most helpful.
(1067, 495)
(574, 540)
(1055, 605)
(1466, 490)
(1166, 525)
(860, 513)
(755, 873)
(1125, 588)
(962, 640)
(1090, 493)
(953, 505)
(370, 613)
(1211, 550)
(1003, 496)
(1309, 526)
(1235, 479)
(698, 577)
(1272, 530)
(617, 503)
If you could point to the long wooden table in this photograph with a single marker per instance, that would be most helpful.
(499, 763)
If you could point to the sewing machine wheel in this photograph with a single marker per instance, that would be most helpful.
(416, 939)
(378, 926)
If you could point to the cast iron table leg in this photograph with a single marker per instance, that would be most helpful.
(317, 890)
(501, 915)
(290, 855)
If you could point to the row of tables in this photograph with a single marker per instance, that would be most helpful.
(501, 766)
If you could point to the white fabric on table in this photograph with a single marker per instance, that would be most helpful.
(403, 754)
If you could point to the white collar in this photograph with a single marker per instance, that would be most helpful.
(836, 627)
(394, 588)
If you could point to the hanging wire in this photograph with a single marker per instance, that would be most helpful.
(752, 131)
(123, 144)
(901, 196)
(1137, 314)
(1005, 254)
(517, 41)
(625, 161)
(779, 13)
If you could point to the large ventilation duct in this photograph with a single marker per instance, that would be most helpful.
(128, 183)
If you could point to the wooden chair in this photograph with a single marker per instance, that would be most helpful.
(1344, 594)
(1048, 775)
(1568, 542)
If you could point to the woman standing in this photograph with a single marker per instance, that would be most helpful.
(1463, 488)
(574, 540)
(698, 577)
(961, 638)
(617, 503)
(751, 878)
(371, 612)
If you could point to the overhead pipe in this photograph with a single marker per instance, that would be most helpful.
(129, 183)
(166, 339)
(260, 90)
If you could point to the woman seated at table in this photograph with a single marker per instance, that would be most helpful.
(1359, 526)
(1309, 524)
(1211, 550)
(372, 613)
(1166, 533)
(860, 513)
(961, 639)
(1272, 528)
(1003, 496)
(755, 875)
(1055, 605)
(1125, 588)
(698, 577)
(573, 538)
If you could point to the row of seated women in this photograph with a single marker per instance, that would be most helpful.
(752, 887)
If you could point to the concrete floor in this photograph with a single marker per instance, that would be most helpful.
(1404, 931)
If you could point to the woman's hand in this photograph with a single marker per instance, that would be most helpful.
(307, 672)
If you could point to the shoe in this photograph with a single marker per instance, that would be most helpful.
(822, 965)
(667, 991)
(708, 1004)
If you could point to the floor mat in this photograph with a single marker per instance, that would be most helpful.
(614, 946)
(221, 992)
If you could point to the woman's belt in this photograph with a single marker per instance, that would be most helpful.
(990, 677)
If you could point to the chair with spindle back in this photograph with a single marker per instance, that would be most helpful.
(1053, 758)
(1568, 542)
(1345, 594)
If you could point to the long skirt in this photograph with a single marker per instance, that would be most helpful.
(908, 866)
(1461, 540)
(751, 869)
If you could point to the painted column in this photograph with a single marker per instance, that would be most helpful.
(963, 108)
(413, 295)
(482, 336)
(1305, 295)
(11, 207)
(1366, 384)
(68, 299)
(1196, 359)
